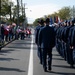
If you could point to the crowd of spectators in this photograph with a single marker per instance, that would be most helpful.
(14, 32)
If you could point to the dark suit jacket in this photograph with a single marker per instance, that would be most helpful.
(36, 33)
(46, 38)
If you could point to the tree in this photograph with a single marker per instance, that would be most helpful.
(6, 9)
(64, 13)
(72, 13)
(36, 20)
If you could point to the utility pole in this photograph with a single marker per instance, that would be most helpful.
(17, 12)
(24, 17)
(24, 11)
(10, 11)
(22, 7)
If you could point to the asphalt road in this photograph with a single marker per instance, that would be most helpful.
(20, 58)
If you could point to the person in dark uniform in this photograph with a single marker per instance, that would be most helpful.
(2, 32)
(40, 25)
(63, 40)
(36, 33)
(70, 45)
(58, 44)
(46, 41)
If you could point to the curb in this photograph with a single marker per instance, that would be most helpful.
(6, 44)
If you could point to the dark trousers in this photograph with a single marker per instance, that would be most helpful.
(40, 54)
(69, 55)
(2, 37)
(74, 55)
(6, 37)
(22, 36)
(47, 52)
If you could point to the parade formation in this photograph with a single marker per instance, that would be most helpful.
(60, 35)
(65, 40)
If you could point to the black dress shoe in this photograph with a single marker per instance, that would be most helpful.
(72, 66)
(49, 68)
(45, 69)
(40, 62)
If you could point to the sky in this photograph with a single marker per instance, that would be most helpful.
(40, 8)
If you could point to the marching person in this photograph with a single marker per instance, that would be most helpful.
(46, 42)
(40, 25)
(71, 42)
(36, 34)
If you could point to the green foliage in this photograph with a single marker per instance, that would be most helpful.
(21, 19)
(5, 7)
(35, 22)
(9, 11)
(52, 15)
(64, 13)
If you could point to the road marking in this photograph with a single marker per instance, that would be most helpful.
(30, 68)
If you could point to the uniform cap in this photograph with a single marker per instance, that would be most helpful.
(47, 20)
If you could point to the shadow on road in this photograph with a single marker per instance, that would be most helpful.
(29, 43)
(11, 69)
(6, 51)
(57, 58)
(63, 66)
(60, 73)
(7, 59)
(56, 55)
(20, 47)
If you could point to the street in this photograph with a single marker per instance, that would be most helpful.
(20, 58)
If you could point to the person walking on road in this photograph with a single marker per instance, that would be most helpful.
(46, 40)
(36, 34)
(40, 25)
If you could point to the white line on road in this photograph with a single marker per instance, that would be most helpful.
(30, 68)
